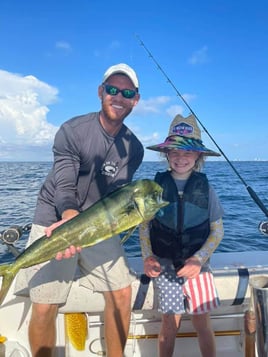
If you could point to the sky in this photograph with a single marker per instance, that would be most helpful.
(214, 53)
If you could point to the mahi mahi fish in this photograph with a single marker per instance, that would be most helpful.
(120, 211)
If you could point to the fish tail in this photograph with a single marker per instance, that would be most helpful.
(8, 276)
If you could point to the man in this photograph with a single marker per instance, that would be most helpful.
(93, 155)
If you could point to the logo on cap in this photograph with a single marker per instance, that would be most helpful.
(183, 129)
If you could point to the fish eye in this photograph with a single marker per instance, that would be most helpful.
(157, 196)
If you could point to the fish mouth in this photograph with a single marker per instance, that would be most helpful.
(163, 203)
(157, 203)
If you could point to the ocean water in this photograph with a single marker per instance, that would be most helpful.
(21, 181)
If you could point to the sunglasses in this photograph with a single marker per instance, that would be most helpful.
(126, 93)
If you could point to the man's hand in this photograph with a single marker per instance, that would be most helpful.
(69, 253)
(50, 229)
(72, 250)
(152, 267)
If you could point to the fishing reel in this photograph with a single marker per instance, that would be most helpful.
(12, 234)
(263, 228)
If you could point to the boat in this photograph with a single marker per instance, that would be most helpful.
(238, 332)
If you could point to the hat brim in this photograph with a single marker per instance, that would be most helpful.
(182, 143)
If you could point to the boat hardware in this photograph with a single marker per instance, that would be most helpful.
(186, 334)
(226, 333)
(12, 234)
(263, 228)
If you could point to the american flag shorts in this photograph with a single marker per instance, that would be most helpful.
(200, 294)
(194, 296)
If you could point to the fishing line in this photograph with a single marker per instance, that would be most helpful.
(251, 192)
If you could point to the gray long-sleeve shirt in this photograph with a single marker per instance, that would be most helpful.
(88, 164)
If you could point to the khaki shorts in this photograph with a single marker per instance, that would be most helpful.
(102, 267)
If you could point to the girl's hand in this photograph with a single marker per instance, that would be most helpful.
(152, 267)
(191, 268)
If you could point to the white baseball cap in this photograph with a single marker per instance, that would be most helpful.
(122, 68)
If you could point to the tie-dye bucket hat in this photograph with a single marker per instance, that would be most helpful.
(184, 134)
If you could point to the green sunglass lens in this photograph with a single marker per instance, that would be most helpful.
(126, 93)
(113, 90)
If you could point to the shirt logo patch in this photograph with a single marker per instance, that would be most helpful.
(109, 168)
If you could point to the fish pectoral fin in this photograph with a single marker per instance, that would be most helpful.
(139, 205)
(128, 234)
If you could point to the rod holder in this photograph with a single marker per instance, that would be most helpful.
(259, 285)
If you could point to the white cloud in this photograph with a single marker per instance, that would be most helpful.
(188, 97)
(149, 139)
(160, 111)
(63, 45)
(24, 104)
(151, 105)
(114, 45)
(200, 56)
(173, 110)
(106, 52)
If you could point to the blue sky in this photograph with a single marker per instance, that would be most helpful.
(54, 53)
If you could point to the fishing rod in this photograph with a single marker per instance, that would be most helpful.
(251, 192)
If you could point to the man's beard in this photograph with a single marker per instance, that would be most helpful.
(110, 115)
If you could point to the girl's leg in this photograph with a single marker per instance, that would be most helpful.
(167, 335)
(206, 337)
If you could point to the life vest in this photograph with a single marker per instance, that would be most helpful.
(181, 228)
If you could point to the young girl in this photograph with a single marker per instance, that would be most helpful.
(177, 244)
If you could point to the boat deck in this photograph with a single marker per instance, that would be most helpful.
(232, 272)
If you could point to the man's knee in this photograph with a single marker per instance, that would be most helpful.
(118, 298)
(44, 312)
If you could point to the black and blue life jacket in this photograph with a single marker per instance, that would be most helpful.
(181, 228)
